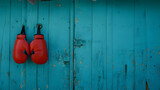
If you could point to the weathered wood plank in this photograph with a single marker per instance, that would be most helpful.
(82, 55)
(59, 75)
(120, 44)
(140, 45)
(17, 75)
(123, 44)
(4, 44)
(71, 35)
(153, 44)
(109, 45)
(99, 49)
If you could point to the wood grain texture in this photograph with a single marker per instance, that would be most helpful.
(71, 40)
(82, 55)
(109, 45)
(140, 45)
(17, 71)
(4, 44)
(153, 44)
(92, 44)
(123, 45)
(99, 49)
(59, 65)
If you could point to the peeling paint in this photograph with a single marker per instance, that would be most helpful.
(147, 88)
(76, 20)
(107, 61)
(8, 74)
(21, 86)
(125, 69)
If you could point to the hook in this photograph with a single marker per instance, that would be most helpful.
(39, 26)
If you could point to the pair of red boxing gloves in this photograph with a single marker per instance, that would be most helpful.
(37, 48)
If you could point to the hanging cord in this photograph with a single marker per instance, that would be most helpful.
(38, 30)
(24, 33)
(23, 30)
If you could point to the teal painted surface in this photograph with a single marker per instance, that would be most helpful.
(92, 44)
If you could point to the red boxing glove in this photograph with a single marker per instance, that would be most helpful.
(38, 48)
(21, 48)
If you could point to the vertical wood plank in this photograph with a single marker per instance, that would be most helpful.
(99, 59)
(4, 44)
(43, 18)
(82, 55)
(153, 44)
(59, 76)
(123, 45)
(17, 75)
(140, 44)
(109, 44)
(71, 35)
(31, 68)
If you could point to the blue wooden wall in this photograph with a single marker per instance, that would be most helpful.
(92, 44)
